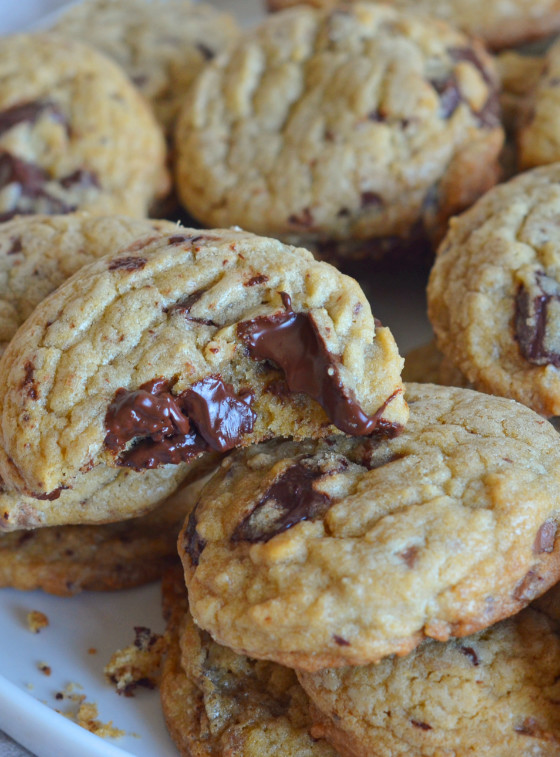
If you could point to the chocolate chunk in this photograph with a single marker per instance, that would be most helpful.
(28, 383)
(340, 641)
(467, 54)
(151, 411)
(537, 320)
(16, 171)
(292, 341)
(449, 95)
(528, 588)
(80, 178)
(371, 199)
(255, 280)
(28, 112)
(184, 306)
(205, 51)
(304, 220)
(193, 544)
(471, 654)
(529, 727)
(544, 541)
(16, 246)
(127, 264)
(221, 417)
(51, 496)
(172, 450)
(410, 556)
(291, 499)
(419, 724)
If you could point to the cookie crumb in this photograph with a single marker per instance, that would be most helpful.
(85, 714)
(36, 621)
(92, 650)
(44, 668)
(138, 664)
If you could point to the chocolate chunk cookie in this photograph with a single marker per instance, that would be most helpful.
(38, 253)
(427, 365)
(68, 559)
(494, 291)
(74, 132)
(192, 341)
(498, 24)
(492, 694)
(358, 131)
(161, 44)
(539, 135)
(217, 702)
(342, 551)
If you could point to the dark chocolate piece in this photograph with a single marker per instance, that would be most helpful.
(528, 588)
(410, 556)
(28, 383)
(291, 499)
(537, 320)
(544, 541)
(28, 113)
(80, 178)
(419, 724)
(16, 246)
(449, 95)
(471, 654)
(127, 264)
(292, 341)
(340, 641)
(193, 543)
(302, 220)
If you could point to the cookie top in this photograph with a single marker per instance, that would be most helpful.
(74, 132)
(492, 694)
(216, 702)
(494, 290)
(355, 124)
(161, 44)
(246, 337)
(38, 253)
(68, 559)
(346, 550)
(498, 24)
(538, 138)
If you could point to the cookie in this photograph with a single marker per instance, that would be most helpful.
(492, 694)
(498, 24)
(68, 559)
(494, 289)
(100, 495)
(346, 550)
(362, 128)
(539, 136)
(427, 365)
(188, 342)
(38, 253)
(74, 132)
(218, 702)
(161, 44)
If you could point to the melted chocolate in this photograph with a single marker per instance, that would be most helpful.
(536, 320)
(291, 499)
(221, 417)
(292, 341)
(162, 422)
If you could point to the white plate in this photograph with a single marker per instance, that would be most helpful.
(105, 622)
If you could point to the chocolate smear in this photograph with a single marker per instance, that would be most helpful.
(291, 498)
(293, 342)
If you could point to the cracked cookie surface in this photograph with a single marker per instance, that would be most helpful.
(74, 132)
(363, 127)
(325, 553)
(38, 253)
(217, 702)
(492, 694)
(246, 337)
(498, 24)
(494, 291)
(162, 45)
